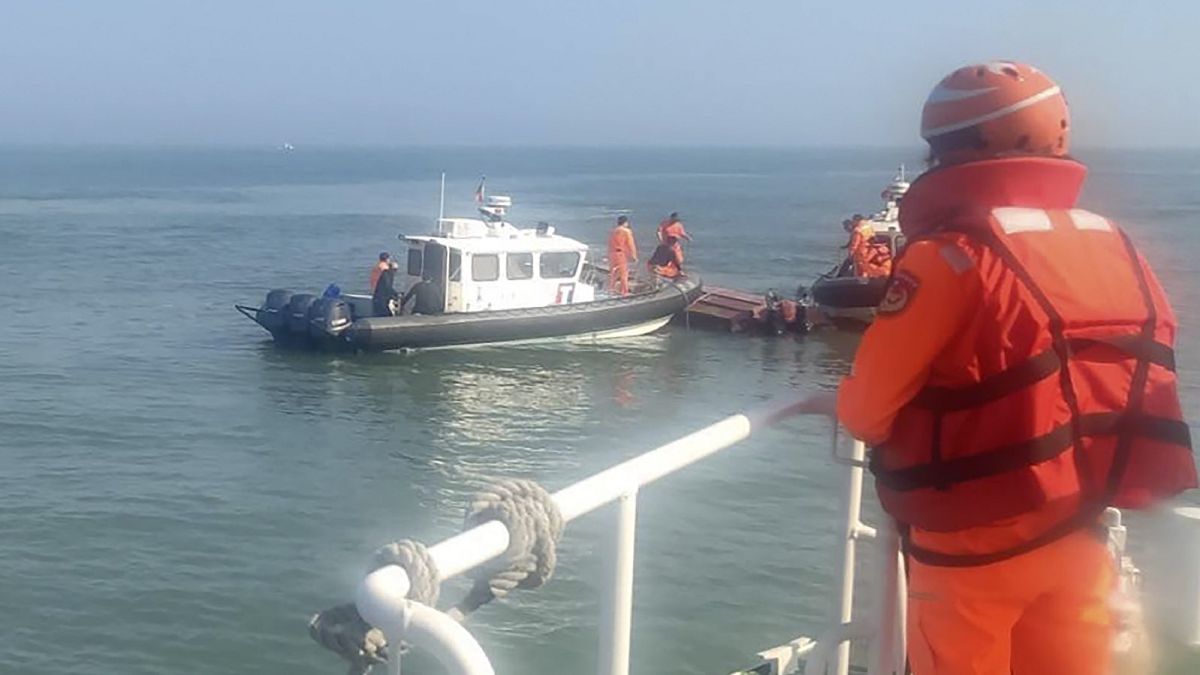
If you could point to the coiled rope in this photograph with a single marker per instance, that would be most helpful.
(534, 526)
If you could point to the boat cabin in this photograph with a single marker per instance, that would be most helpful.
(483, 264)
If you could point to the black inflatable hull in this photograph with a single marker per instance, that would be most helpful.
(603, 318)
(848, 302)
(849, 292)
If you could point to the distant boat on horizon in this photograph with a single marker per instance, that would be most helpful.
(287, 147)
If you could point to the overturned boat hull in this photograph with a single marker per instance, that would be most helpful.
(333, 324)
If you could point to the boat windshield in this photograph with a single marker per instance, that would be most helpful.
(558, 264)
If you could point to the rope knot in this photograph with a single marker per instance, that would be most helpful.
(423, 578)
(534, 527)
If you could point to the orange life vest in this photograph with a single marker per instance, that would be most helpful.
(376, 271)
(871, 259)
(1074, 398)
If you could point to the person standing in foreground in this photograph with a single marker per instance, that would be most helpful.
(622, 250)
(1035, 387)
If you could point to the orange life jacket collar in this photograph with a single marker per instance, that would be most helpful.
(942, 195)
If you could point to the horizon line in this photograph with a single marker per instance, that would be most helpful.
(239, 145)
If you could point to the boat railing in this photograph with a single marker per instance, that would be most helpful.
(382, 596)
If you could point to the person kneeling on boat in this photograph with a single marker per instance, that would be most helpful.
(667, 261)
(427, 294)
(622, 250)
(1036, 388)
(384, 295)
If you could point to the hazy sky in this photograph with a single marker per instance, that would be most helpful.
(728, 72)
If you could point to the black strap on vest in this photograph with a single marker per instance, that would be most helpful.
(1127, 424)
(1037, 368)
(1023, 454)
(1028, 372)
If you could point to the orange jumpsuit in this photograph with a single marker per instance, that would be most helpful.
(870, 259)
(622, 250)
(1022, 615)
(377, 270)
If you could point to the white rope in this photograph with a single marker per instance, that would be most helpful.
(534, 527)
(423, 578)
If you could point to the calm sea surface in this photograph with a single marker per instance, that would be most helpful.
(178, 496)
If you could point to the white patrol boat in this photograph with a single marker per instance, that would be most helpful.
(485, 282)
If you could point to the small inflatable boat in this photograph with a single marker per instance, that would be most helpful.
(848, 300)
(486, 282)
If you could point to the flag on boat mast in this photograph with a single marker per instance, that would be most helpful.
(479, 191)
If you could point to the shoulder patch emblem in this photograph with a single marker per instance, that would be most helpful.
(900, 291)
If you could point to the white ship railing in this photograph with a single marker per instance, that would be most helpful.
(382, 601)
(382, 596)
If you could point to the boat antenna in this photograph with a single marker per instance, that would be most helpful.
(442, 200)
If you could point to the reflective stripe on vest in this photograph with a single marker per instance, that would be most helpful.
(967, 483)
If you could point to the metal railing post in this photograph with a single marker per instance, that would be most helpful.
(852, 529)
(615, 634)
(888, 646)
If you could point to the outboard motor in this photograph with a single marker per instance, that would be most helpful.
(328, 318)
(272, 314)
(297, 313)
(774, 322)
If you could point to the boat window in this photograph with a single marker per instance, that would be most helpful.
(455, 265)
(519, 266)
(558, 264)
(485, 267)
(414, 262)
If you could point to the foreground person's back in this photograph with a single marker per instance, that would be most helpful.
(1036, 387)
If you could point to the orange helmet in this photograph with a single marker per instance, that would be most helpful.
(995, 109)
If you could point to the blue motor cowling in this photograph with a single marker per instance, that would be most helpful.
(272, 315)
(297, 312)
